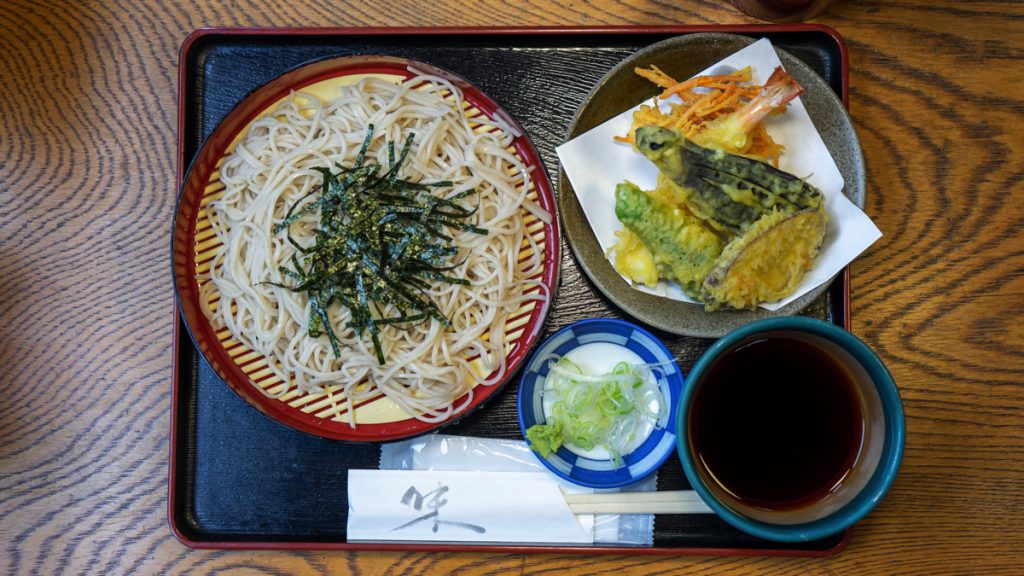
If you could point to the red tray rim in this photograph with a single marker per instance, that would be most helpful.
(182, 165)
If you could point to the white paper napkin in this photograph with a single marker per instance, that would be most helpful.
(595, 164)
(445, 506)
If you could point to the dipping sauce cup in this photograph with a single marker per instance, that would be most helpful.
(790, 428)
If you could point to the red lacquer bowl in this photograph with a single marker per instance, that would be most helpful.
(245, 371)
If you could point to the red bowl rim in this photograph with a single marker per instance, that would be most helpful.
(183, 243)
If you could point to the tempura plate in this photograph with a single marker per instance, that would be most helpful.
(621, 89)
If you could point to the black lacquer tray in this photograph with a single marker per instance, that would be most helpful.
(241, 480)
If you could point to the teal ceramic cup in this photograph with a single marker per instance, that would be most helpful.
(876, 447)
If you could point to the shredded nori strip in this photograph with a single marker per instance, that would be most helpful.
(380, 241)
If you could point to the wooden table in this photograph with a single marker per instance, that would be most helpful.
(87, 170)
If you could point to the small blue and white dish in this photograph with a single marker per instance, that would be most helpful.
(600, 344)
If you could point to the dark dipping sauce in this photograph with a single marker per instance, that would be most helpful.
(776, 422)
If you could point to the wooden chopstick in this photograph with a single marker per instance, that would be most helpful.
(666, 502)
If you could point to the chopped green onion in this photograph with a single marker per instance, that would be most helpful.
(596, 410)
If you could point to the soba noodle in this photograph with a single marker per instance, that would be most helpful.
(428, 367)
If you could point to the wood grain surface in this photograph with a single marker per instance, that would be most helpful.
(87, 185)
